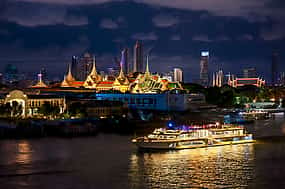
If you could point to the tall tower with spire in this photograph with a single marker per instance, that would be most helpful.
(147, 73)
(138, 57)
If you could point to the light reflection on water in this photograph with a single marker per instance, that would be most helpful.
(216, 167)
(24, 152)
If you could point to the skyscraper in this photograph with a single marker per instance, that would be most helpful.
(84, 66)
(178, 75)
(274, 73)
(249, 73)
(204, 74)
(138, 57)
(74, 66)
(125, 61)
(218, 78)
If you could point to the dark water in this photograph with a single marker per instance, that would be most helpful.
(111, 161)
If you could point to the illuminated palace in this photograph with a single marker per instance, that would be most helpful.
(143, 83)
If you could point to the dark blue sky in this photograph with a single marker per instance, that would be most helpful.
(238, 34)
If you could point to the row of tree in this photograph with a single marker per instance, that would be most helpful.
(227, 96)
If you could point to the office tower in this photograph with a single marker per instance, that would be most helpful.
(138, 57)
(204, 75)
(74, 66)
(218, 78)
(84, 66)
(125, 61)
(178, 75)
(249, 73)
(274, 64)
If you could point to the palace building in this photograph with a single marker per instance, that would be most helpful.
(30, 103)
(143, 83)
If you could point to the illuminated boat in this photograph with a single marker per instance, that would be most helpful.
(194, 137)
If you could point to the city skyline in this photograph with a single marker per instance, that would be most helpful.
(176, 33)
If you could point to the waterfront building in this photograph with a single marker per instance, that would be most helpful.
(152, 83)
(249, 73)
(178, 75)
(238, 82)
(138, 65)
(274, 72)
(168, 101)
(218, 78)
(204, 74)
(30, 103)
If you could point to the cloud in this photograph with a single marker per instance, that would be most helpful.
(201, 38)
(246, 37)
(32, 15)
(107, 23)
(145, 36)
(175, 38)
(222, 38)
(276, 32)
(163, 20)
(32, 59)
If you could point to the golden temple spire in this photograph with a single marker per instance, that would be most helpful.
(69, 76)
(147, 73)
(94, 71)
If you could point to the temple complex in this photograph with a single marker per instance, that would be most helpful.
(143, 83)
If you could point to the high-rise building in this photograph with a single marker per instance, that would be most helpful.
(84, 66)
(74, 66)
(204, 74)
(218, 78)
(138, 57)
(178, 75)
(274, 64)
(125, 61)
(249, 73)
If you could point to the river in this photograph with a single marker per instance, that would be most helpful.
(111, 161)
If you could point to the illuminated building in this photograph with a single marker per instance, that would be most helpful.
(40, 83)
(178, 75)
(204, 75)
(138, 57)
(149, 83)
(169, 76)
(249, 73)
(74, 66)
(274, 64)
(69, 80)
(218, 78)
(164, 102)
(137, 83)
(125, 61)
(238, 82)
(95, 81)
(30, 103)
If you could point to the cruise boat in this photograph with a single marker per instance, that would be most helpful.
(194, 137)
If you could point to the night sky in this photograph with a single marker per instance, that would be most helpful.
(238, 33)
